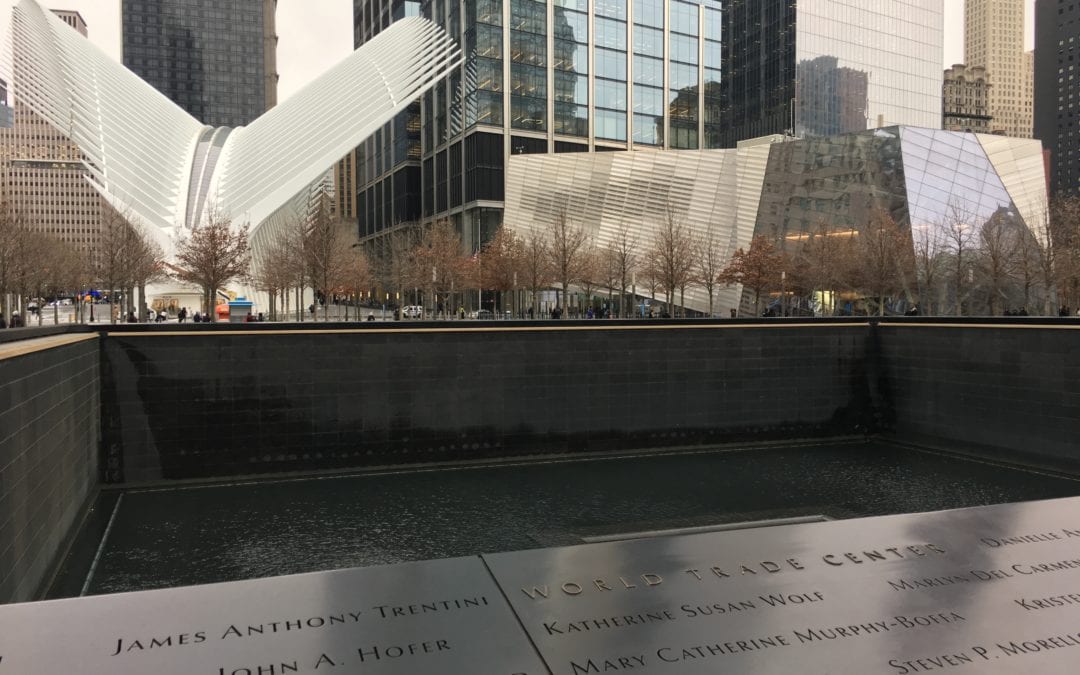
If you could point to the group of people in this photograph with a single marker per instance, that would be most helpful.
(16, 321)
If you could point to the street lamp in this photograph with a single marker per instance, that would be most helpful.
(783, 293)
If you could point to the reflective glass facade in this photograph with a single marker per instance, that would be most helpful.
(545, 76)
(387, 165)
(550, 76)
(868, 64)
(216, 59)
(821, 67)
(924, 178)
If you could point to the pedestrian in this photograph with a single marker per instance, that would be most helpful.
(3, 321)
(131, 318)
(182, 315)
(196, 317)
(16, 320)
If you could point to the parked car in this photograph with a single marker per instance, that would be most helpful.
(483, 314)
(412, 312)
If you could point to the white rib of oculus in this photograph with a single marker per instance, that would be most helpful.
(146, 153)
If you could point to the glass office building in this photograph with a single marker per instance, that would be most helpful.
(560, 76)
(821, 67)
(216, 59)
(387, 165)
(1057, 92)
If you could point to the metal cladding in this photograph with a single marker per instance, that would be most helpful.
(606, 193)
(146, 153)
(925, 178)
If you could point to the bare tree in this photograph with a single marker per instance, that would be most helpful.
(357, 275)
(757, 268)
(439, 256)
(592, 274)
(672, 255)
(213, 254)
(125, 258)
(499, 261)
(960, 231)
(708, 264)
(535, 268)
(819, 263)
(70, 276)
(1064, 245)
(565, 249)
(886, 258)
(929, 249)
(397, 269)
(623, 250)
(651, 278)
(11, 245)
(326, 250)
(275, 271)
(146, 263)
(997, 258)
(1028, 256)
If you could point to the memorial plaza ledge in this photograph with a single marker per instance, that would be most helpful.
(672, 496)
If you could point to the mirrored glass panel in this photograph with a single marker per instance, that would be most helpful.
(649, 13)
(571, 26)
(834, 182)
(648, 41)
(648, 130)
(570, 119)
(950, 182)
(616, 9)
(877, 65)
(611, 125)
(610, 33)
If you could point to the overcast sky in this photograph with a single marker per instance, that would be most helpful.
(316, 34)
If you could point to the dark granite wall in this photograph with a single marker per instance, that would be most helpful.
(1004, 391)
(216, 403)
(49, 437)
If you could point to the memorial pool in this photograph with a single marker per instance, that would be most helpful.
(157, 538)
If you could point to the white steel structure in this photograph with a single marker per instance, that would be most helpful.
(146, 153)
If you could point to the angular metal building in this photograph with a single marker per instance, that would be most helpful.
(924, 178)
(145, 153)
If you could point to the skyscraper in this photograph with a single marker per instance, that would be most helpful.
(994, 39)
(1057, 91)
(385, 169)
(216, 59)
(964, 99)
(822, 67)
(43, 174)
(555, 76)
